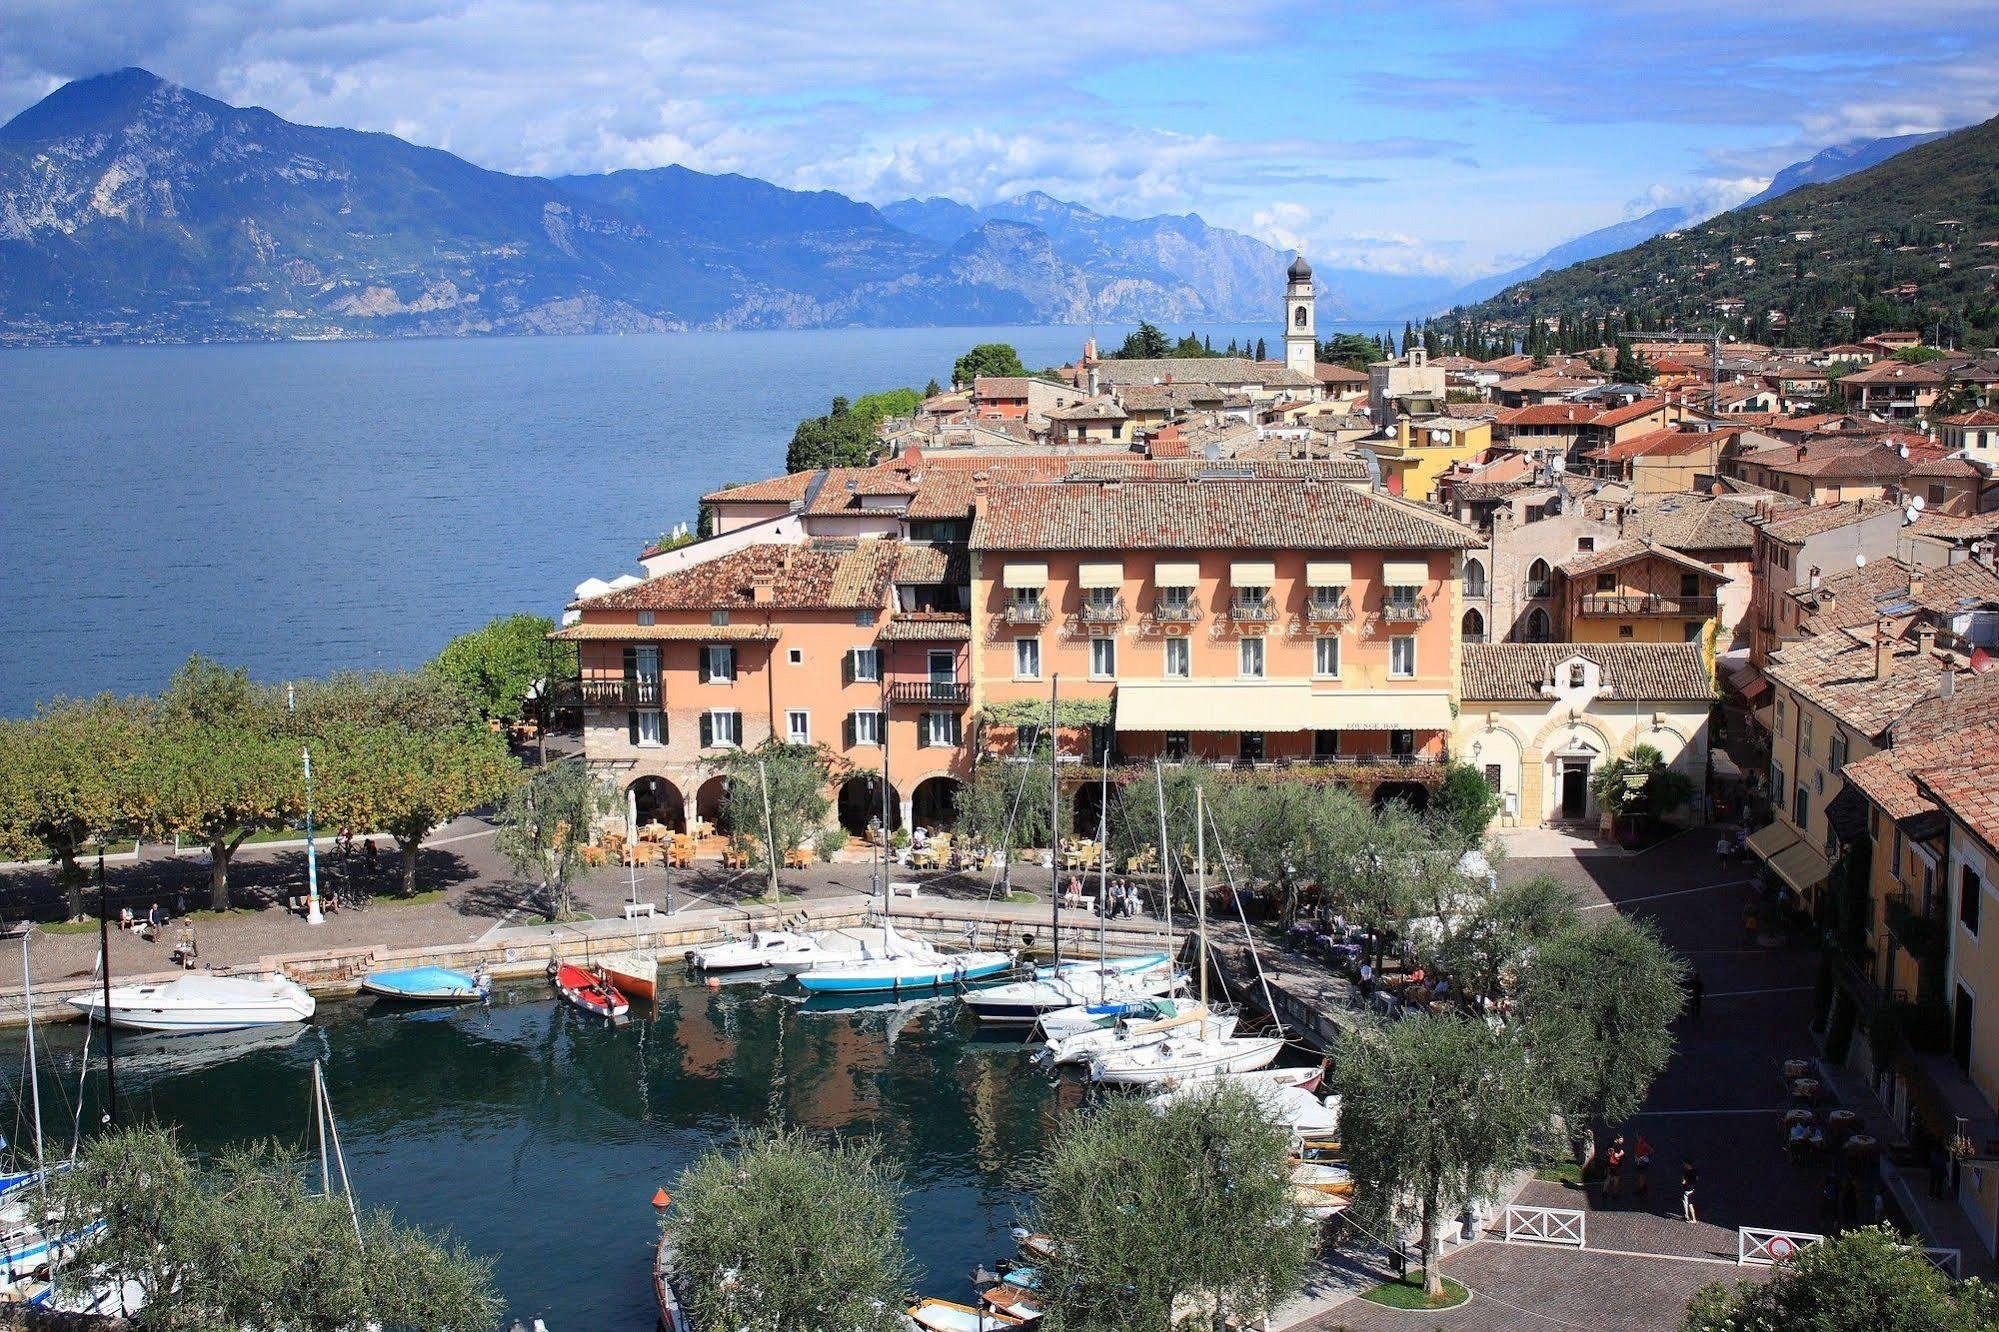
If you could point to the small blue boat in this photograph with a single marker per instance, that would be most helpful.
(428, 985)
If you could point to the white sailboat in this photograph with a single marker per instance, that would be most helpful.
(907, 964)
(1135, 1027)
(1201, 1051)
(1023, 1002)
(200, 1003)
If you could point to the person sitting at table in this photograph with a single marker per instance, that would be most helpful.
(919, 837)
(1795, 1140)
(124, 918)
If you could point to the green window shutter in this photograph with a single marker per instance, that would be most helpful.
(632, 726)
(707, 730)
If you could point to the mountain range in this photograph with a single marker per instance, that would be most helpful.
(132, 209)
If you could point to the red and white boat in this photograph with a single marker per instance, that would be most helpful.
(590, 992)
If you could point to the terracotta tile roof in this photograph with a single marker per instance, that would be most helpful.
(1671, 442)
(1795, 525)
(1692, 523)
(1959, 467)
(927, 627)
(1100, 408)
(845, 487)
(992, 388)
(1973, 701)
(1895, 372)
(920, 563)
(1338, 374)
(1635, 411)
(817, 575)
(1624, 552)
(666, 633)
(1547, 382)
(1834, 459)
(1189, 469)
(773, 490)
(1186, 370)
(1945, 528)
(1547, 413)
(1981, 417)
(1969, 790)
(1167, 397)
(1836, 671)
(1856, 597)
(1515, 672)
(1209, 515)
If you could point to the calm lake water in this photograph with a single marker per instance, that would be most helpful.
(297, 508)
(507, 1124)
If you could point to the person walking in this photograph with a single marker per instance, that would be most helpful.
(1696, 987)
(1687, 1181)
(1641, 1153)
(1613, 1178)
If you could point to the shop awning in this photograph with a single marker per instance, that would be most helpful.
(1405, 573)
(1027, 575)
(1755, 691)
(1176, 575)
(1767, 842)
(1377, 710)
(1252, 573)
(1802, 867)
(1108, 574)
(1144, 705)
(1328, 573)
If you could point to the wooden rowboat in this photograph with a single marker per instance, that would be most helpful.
(590, 992)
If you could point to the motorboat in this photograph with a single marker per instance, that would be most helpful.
(666, 1288)
(200, 1002)
(936, 1315)
(1017, 1293)
(1183, 1056)
(427, 985)
(1131, 1033)
(780, 950)
(1021, 1003)
(590, 992)
(1289, 1107)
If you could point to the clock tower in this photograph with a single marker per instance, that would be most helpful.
(1301, 333)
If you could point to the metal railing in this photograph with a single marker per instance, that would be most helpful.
(1328, 610)
(1374, 760)
(1534, 589)
(1406, 612)
(632, 693)
(1253, 610)
(1103, 612)
(1647, 605)
(1756, 1247)
(1020, 610)
(1176, 612)
(929, 691)
(1565, 1226)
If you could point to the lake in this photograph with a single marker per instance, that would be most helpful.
(303, 507)
(506, 1123)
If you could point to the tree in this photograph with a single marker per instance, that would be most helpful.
(791, 1232)
(1598, 1003)
(795, 777)
(1641, 784)
(544, 825)
(406, 782)
(497, 666)
(1504, 924)
(874, 408)
(1264, 826)
(988, 358)
(1869, 1277)
(1630, 367)
(838, 439)
(66, 777)
(1373, 863)
(1262, 351)
(136, 1179)
(1355, 351)
(932, 389)
(1434, 1112)
(1465, 804)
(1180, 1217)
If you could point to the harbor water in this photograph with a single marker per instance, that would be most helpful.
(536, 1135)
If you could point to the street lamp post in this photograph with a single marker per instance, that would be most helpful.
(312, 912)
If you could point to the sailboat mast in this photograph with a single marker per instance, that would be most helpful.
(1054, 823)
(104, 956)
(1103, 869)
(34, 1070)
(1165, 857)
(1201, 888)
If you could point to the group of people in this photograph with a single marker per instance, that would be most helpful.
(1613, 1163)
(152, 927)
(1119, 900)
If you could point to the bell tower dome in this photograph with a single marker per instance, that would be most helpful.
(1301, 331)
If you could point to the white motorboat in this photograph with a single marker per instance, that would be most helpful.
(1132, 1032)
(1289, 1107)
(1062, 1023)
(1186, 1056)
(775, 949)
(905, 964)
(1023, 1002)
(200, 1003)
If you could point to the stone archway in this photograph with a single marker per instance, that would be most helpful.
(658, 801)
(934, 803)
(1472, 627)
(859, 801)
(711, 802)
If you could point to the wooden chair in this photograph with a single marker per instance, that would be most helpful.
(798, 858)
(680, 855)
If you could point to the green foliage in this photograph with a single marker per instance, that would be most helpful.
(1866, 1278)
(1145, 343)
(66, 776)
(416, 700)
(544, 825)
(1183, 1218)
(406, 781)
(1005, 804)
(1464, 804)
(1034, 712)
(791, 1232)
(249, 1244)
(496, 666)
(988, 358)
(797, 777)
(1919, 355)
(1598, 1003)
(874, 408)
(838, 439)
(1640, 783)
(1495, 925)
(1435, 1111)
(1352, 350)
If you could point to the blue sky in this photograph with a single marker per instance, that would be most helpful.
(1442, 136)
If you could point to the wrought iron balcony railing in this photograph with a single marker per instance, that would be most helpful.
(1647, 605)
(1253, 610)
(1023, 611)
(1103, 612)
(952, 693)
(1406, 612)
(632, 693)
(1328, 610)
(1176, 612)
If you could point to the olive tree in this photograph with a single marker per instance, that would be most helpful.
(790, 1231)
(778, 789)
(1164, 1219)
(544, 826)
(1434, 1112)
(1868, 1277)
(66, 777)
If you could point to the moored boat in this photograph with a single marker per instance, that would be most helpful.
(774, 949)
(937, 1315)
(1023, 1002)
(634, 973)
(200, 1002)
(904, 973)
(672, 1313)
(1186, 1056)
(427, 985)
(590, 992)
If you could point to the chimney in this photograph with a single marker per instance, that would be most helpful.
(1926, 641)
(1815, 578)
(1090, 377)
(1947, 681)
(1881, 650)
(1801, 453)
(1915, 583)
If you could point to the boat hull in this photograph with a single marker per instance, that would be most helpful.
(635, 975)
(590, 992)
(893, 976)
(945, 1316)
(1138, 1068)
(425, 985)
(200, 1004)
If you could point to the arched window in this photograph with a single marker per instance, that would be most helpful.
(1537, 579)
(1298, 318)
(1473, 627)
(1537, 625)
(1474, 578)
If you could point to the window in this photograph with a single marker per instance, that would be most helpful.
(1251, 750)
(1838, 750)
(1249, 659)
(1969, 887)
(1472, 627)
(1537, 626)
(1584, 545)
(1690, 584)
(721, 729)
(1801, 809)
(1537, 578)
(1777, 789)
(865, 728)
(1780, 714)
(940, 730)
(1326, 657)
(1936, 495)
(1325, 744)
(1402, 743)
(647, 619)
(1492, 778)
(1805, 732)
(1474, 578)
(1578, 675)
(1103, 658)
(1179, 659)
(1101, 599)
(865, 665)
(1250, 598)
(796, 656)
(1176, 747)
(646, 728)
(1024, 600)
(798, 727)
(1691, 631)
(1606, 582)
(718, 664)
(1624, 631)
(1027, 659)
(1176, 600)
(1402, 656)
(1298, 319)
(718, 618)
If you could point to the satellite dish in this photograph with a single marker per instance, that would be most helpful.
(1916, 502)
(1904, 450)
(1558, 464)
(1860, 561)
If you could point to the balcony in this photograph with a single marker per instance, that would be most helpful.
(1374, 761)
(632, 693)
(949, 693)
(1103, 612)
(1328, 610)
(1406, 612)
(1534, 589)
(1176, 612)
(1613, 605)
(1253, 610)
(1025, 611)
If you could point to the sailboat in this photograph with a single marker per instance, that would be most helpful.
(1117, 1026)
(633, 971)
(1203, 1051)
(1128, 980)
(906, 964)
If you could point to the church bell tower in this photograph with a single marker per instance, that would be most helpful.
(1301, 332)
